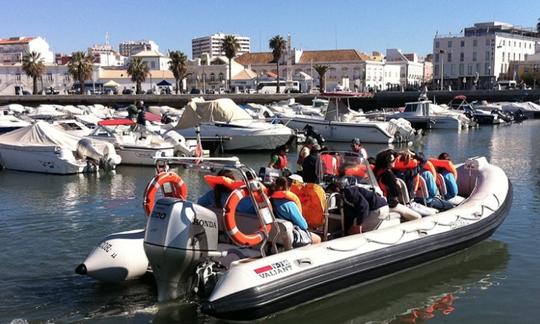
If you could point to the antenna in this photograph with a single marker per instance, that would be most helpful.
(106, 38)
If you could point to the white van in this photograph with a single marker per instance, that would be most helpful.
(506, 84)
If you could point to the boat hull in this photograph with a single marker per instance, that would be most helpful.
(311, 284)
(42, 160)
(343, 132)
(141, 156)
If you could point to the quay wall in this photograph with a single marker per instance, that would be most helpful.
(379, 100)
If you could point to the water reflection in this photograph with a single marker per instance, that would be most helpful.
(399, 297)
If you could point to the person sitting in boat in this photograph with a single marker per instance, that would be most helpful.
(286, 205)
(361, 207)
(278, 159)
(447, 169)
(141, 118)
(309, 166)
(357, 147)
(222, 185)
(384, 162)
(304, 152)
(427, 171)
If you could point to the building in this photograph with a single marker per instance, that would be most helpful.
(212, 73)
(154, 59)
(527, 71)
(104, 55)
(121, 77)
(12, 49)
(480, 55)
(212, 45)
(130, 48)
(55, 76)
(411, 68)
(349, 68)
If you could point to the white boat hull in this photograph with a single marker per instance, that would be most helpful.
(373, 132)
(141, 156)
(43, 160)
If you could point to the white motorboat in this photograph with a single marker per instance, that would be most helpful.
(528, 109)
(182, 240)
(72, 126)
(341, 124)
(41, 147)
(223, 121)
(134, 143)
(291, 107)
(9, 123)
(490, 114)
(425, 114)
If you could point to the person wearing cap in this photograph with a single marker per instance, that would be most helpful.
(304, 152)
(141, 119)
(384, 162)
(357, 147)
(278, 159)
(296, 179)
(309, 166)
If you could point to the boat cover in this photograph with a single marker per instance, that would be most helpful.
(198, 111)
(524, 106)
(39, 134)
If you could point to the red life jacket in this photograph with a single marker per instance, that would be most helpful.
(329, 164)
(290, 196)
(282, 162)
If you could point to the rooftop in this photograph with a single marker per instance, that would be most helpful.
(15, 40)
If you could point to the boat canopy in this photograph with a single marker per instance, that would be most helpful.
(116, 122)
(39, 134)
(198, 111)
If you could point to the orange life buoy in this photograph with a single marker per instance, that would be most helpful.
(230, 220)
(179, 189)
(213, 181)
(289, 195)
(445, 164)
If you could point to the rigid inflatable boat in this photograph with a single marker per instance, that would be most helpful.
(192, 249)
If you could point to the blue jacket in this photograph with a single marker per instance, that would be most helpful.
(245, 206)
(430, 184)
(287, 210)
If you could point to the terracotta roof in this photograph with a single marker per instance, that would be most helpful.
(17, 40)
(348, 55)
(255, 58)
(245, 75)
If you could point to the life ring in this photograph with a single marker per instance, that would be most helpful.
(230, 220)
(179, 189)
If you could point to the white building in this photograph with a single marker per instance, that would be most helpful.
(212, 74)
(12, 49)
(411, 69)
(154, 59)
(12, 76)
(212, 45)
(481, 55)
(104, 55)
(130, 48)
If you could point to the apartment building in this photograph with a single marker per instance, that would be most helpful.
(212, 45)
(12, 49)
(130, 48)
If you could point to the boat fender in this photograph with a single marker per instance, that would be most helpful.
(234, 233)
(178, 190)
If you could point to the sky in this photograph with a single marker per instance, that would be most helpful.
(313, 25)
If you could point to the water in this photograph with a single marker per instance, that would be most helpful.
(49, 223)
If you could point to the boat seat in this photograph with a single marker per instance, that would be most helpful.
(422, 191)
(441, 185)
(333, 212)
(380, 218)
(282, 233)
(404, 192)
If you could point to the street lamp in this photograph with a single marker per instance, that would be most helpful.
(441, 52)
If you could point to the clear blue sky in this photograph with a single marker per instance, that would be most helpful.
(315, 24)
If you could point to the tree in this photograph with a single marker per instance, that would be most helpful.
(321, 70)
(80, 66)
(277, 45)
(230, 46)
(530, 78)
(138, 70)
(32, 65)
(177, 65)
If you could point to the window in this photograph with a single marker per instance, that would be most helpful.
(487, 56)
(503, 56)
(436, 57)
(487, 69)
(18, 77)
(437, 44)
(514, 56)
(461, 69)
(475, 42)
(436, 69)
(221, 77)
(478, 67)
(503, 42)
(469, 69)
(49, 77)
(519, 56)
(449, 57)
(462, 43)
(449, 44)
(461, 57)
(212, 77)
(152, 65)
(474, 56)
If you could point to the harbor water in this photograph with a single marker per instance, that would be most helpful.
(48, 224)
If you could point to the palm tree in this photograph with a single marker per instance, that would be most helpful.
(80, 66)
(278, 46)
(177, 65)
(138, 70)
(230, 46)
(32, 65)
(321, 70)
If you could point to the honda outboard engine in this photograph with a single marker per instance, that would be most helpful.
(108, 158)
(179, 235)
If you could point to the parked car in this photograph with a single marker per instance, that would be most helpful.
(195, 91)
(127, 91)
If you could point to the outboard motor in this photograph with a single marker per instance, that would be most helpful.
(179, 235)
(312, 132)
(181, 147)
(108, 158)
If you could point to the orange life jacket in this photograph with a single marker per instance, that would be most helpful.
(313, 200)
(445, 164)
(357, 171)
(329, 164)
(282, 162)
(400, 165)
(428, 166)
(290, 196)
(231, 184)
